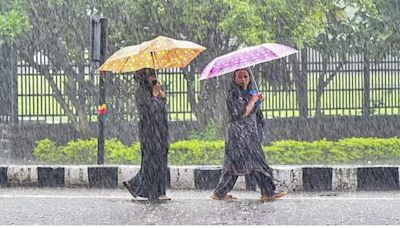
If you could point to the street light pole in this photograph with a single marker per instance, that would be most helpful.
(99, 49)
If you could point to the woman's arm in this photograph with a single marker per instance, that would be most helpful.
(250, 105)
(238, 107)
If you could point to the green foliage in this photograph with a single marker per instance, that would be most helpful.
(290, 22)
(211, 152)
(12, 24)
(80, 150)
(197, 152)
(345, 151)
(118, 153)
(85, 152)
(47, 150)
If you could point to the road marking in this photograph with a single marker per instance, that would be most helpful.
(188, 198)
(52, 196)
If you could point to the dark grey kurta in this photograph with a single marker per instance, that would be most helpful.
(151, 181)
(243, 151)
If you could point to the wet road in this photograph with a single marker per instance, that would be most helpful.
(28, 206)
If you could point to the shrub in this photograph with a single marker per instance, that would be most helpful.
(211, 152)
(48, 151)
(118, 153)
(196, 152)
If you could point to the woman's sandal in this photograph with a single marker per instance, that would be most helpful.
(273, 197)
(224, 198)
(164, 197)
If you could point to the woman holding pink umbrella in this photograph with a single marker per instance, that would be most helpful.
(243, 151)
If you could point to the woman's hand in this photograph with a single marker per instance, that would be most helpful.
(260, 97)
(157, 91)
(254, 98)
(161, 93)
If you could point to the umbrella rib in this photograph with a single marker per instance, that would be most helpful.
(123, 65)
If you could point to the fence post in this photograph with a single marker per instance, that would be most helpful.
(367, 94)
(14, 84)
(99, 50)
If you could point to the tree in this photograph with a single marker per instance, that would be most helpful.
(294, 23)
(329, 27)
(129, 23)
(12, 22)
(197, 21)
(60, 30)
(354, 28)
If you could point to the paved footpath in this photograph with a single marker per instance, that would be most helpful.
(83, 206)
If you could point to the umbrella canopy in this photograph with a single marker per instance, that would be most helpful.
(159, 53)
(245, 57)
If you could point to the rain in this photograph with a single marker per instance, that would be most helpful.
(73, 128)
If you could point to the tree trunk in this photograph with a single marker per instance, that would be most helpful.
(301, 83)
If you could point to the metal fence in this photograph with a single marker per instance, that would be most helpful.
(359, 87)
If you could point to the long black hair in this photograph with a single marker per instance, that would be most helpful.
(142, 77)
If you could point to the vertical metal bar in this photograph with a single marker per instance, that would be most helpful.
(30, 91)
(366, 103)
(353, 89)
(392, 84)
(23, 90)
(36, 96)
(311, 79)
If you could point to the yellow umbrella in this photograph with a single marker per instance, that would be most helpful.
(159, 53)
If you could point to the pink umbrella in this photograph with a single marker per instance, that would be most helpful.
(245, 57)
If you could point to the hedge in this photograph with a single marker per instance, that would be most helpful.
(211, 152)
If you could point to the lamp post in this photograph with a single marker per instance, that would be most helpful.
(99, 48)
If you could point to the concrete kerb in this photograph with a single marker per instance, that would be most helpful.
(76, 176)
(19, 175)
(344, 178)
(288, 178)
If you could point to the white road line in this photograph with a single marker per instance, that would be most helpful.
(188, 198)
(52, 196)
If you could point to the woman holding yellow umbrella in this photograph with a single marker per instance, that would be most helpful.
(162, 52)
(152, 179)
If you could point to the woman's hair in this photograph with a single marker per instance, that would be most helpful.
(144, 73)
(246, 69)
(142, 77)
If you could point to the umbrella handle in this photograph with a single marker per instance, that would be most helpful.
(253, 79)
(153, 56)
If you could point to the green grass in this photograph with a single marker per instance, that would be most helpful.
(36, 97)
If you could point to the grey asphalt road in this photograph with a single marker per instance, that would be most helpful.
(81, 206)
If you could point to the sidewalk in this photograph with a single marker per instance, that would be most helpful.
(288, 178)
